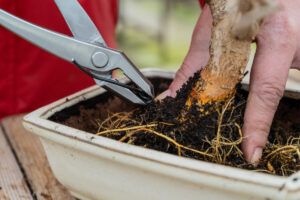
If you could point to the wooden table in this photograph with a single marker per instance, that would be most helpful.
(24, 168)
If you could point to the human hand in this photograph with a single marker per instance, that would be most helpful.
(278, 50)
(198, 54)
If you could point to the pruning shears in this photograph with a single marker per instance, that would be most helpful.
(87, 50)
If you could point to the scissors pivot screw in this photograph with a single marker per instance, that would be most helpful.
(99, 59)
(87, 50)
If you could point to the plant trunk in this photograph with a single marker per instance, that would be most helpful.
(235, 24)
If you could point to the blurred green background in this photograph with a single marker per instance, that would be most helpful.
(156, 33)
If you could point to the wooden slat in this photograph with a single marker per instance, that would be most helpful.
(12, 183)
(32, 157)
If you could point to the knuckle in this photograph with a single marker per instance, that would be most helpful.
(257, 130)
(258, 139)
(269, 94)
(181, 74)
(279, 30)
(184, 72)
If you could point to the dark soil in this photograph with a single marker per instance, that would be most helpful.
(195, 127)
(83, 116)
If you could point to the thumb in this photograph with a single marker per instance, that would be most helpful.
(197, 56)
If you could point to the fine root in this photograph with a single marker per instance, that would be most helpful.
(131, 131)
(280, 158)
(123, 128)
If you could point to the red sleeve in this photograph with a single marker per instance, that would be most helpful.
(202, 3)
(31, 77)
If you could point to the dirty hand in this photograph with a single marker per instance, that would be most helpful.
(278, 50)
(197, 56)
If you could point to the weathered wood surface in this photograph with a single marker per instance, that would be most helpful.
(12, 182)
(33, 160)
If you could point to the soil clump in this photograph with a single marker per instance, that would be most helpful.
(211, 132)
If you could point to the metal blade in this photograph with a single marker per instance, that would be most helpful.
(123, 92)
(133, 73)
(60, 45)
(81, 53)
(84, 29)
(79, 22)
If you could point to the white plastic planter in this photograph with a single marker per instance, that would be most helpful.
(94, 167)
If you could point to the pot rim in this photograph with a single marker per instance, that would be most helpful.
(38, 118)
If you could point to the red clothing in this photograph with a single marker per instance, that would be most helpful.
(29, 76)
(202, 2)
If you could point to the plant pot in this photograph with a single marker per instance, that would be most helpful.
(95, 167)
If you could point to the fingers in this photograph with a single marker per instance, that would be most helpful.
(269, 74)
(197, 56)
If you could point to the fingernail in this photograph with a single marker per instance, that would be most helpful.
(256, 156)
(163, 95)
